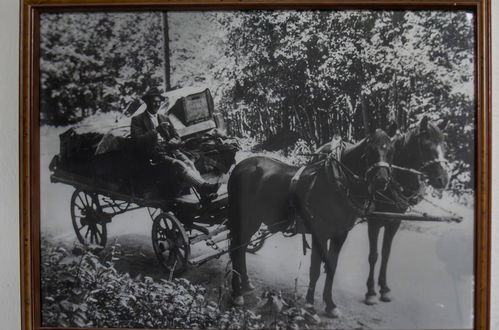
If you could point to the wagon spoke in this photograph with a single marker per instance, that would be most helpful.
(98, 234)
(86, 200)
(80, 207)
(86, 212)
(170, 243)
(163, 225)
(82, 201)
(170, 256)
(167, 225)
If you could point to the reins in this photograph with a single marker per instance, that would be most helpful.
(407, 169)
(374, 166)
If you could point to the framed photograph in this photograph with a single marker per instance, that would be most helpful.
(213, 164)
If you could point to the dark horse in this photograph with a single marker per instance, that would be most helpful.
(328, 195)
(421, 149)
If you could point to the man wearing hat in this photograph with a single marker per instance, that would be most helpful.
(149, 128)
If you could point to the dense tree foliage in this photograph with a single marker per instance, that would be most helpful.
(316, 72)
(97, 62)
(283, 75)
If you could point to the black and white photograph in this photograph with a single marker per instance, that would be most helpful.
(258, 169)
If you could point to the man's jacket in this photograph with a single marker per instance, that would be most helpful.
(144, 136)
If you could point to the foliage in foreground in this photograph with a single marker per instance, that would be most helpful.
(84, 292)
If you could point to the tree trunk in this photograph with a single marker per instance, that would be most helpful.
(166, 51)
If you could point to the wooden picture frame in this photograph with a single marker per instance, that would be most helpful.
(30, 123)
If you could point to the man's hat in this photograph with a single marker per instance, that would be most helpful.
(153, 92)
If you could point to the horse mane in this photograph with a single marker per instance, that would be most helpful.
(432, 131)
(379, 138)
(404, 142)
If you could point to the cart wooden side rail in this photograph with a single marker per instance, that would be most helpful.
(71, 179)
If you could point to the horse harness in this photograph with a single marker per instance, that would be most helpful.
(403, 197)
(341, 177)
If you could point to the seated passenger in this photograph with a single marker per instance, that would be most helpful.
(154, 139)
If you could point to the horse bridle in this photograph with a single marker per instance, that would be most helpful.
(380, 164)
(437, 160)
(420, 172)
(376, 166)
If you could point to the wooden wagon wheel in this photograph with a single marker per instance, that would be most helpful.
(257, 240)
(88, 219)
(170, 243)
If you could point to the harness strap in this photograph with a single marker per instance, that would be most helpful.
(376, 165)
(434, 161)
(409, 170)
(295, 179)
(345, 168)
(292, 189)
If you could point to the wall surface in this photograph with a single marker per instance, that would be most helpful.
(9, 191)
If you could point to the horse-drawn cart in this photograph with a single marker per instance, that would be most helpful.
(109, 181)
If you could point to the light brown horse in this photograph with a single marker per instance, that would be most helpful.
(329, 195)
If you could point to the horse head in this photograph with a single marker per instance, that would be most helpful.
(378, 157)
(428, 147)
(371, 159)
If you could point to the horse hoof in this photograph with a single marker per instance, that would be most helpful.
(386, 297)
(238, 301)
(309, 308)
(333, 313)
(370, 300)
(248, 287)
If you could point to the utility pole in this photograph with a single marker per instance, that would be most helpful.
(363, 107)
(166, 51)
(398, 114)
(364, 116)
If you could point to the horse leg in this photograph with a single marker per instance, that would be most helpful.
(318, 254)
(390, 231)
(236, 255)
(240, 280)
(373, 229)
(331, 263)
(246, 285)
